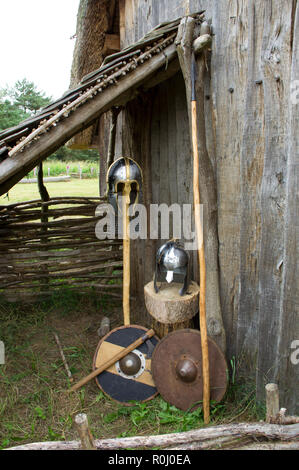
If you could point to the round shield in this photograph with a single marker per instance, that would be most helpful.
(177, 369)
(130, 378)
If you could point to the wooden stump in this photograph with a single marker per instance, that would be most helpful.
(169, 310)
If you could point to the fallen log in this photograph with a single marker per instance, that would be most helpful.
(255, 430)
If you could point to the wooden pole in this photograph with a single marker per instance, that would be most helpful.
(272, 402)
(86, 438)
(111, 147)
(44, 212)
(113, 360)
(126, 248)
(201, 254)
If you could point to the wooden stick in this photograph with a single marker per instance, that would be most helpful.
(126, 251)
(201, 258)
(113, 359)
(86, 438)
(63, 358)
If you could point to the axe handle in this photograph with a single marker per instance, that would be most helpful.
(113, 359)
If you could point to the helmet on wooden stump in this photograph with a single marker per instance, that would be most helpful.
(172, 259)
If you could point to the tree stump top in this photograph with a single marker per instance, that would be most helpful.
(168, 306)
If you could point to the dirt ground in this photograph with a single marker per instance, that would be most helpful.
(34, 403)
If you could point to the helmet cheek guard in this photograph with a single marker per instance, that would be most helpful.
(124, 179)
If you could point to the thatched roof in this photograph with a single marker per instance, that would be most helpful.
(97, 27)
(23, 146)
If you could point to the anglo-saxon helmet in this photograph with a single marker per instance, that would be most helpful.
(122, 173)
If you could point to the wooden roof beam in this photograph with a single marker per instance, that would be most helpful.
(14, 168)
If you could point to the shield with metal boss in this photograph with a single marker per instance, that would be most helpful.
(177, 369)
(130, 378)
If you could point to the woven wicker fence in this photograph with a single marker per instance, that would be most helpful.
(45, 246)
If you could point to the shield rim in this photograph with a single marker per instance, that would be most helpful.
(95, 356)
(186, 330)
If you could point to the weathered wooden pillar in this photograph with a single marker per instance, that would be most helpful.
(44, 195)
(187, 33)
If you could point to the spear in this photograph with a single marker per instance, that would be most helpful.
(201, 250)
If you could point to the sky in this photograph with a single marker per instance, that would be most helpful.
(35, 43)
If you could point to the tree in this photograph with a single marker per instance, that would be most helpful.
(20, 102)
(24, 95)
(10, 114)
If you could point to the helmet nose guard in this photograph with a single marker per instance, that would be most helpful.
(124, 178)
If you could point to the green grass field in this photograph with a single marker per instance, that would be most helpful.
(75, 187)
(57, 168)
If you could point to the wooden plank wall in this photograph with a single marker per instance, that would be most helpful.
(251, 119)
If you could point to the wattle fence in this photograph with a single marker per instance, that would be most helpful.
(45, 246)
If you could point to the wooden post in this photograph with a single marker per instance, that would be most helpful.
(44, 195)
(86, 438)
(111, 148)
(272, 402)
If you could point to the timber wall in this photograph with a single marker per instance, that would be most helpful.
(252, 139)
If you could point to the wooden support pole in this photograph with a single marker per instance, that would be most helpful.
(44, 212)
(272, 402)
(85, 435)
(126, 248)
(111, 147)
(44, 195)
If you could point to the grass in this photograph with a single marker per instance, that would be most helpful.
(57, 168)
(75, 187)
(34, 405)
